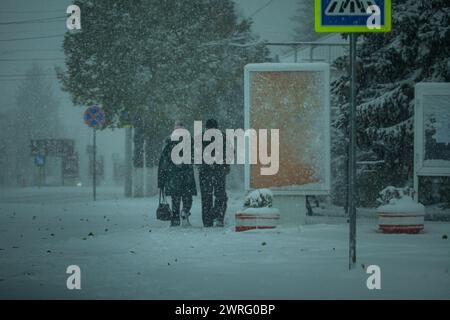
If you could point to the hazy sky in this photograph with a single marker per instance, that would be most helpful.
(271, 22)
(16, 56)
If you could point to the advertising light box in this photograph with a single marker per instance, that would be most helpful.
(293, 98)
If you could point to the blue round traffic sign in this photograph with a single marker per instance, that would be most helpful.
(94, 117)
(39, 160)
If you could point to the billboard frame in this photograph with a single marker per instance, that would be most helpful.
(420, 165)
(309, 189)
(422, 89)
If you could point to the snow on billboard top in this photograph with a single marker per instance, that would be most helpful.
(293, 98)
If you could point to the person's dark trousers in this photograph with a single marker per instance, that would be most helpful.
(176, 203)
(214, 197)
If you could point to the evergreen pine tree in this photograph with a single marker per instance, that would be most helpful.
(389, 65)
(150, 62)
(304, 20)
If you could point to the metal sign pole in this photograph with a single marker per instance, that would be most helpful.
(94, 164)
(43, 173)
(40, 177)
(94, 117)
(343, 18)
(352, 153)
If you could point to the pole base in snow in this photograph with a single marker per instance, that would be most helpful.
(138, 182)
(151, 181)
(292, 209)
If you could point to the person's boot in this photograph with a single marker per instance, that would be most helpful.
(185, 219)
(175, 222)
(208, 221)
(219, 221)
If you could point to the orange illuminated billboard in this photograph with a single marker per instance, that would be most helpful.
(293, 98)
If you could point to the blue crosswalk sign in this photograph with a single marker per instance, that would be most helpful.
(352, 16)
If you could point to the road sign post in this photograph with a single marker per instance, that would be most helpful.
(352, 154)
(39, 161)
(94, 169)
(352, 16)
(94, 117)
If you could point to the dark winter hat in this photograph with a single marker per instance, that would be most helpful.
(179, 124)
(211, 124)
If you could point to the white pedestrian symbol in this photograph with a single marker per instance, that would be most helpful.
(348, 7)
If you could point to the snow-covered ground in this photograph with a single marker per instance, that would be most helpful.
(123, 252)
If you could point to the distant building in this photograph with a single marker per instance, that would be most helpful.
(326, 49)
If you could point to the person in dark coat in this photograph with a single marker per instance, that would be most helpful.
(212, 186)
(177, 181)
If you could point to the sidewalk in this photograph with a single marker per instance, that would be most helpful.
(124, 252)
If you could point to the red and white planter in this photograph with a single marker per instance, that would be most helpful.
(257, 218)
(404, 216)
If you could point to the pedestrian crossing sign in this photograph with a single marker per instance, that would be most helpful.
(349, 16)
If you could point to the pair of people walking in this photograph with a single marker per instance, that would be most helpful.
(178, 182)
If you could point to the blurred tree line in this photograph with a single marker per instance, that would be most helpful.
(149, 62)
(35, 116)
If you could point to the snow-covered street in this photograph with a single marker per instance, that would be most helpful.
(124, 252)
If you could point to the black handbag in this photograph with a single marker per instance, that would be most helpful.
(163, 213)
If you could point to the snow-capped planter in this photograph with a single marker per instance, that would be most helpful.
(400, 213)
(257, 212)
